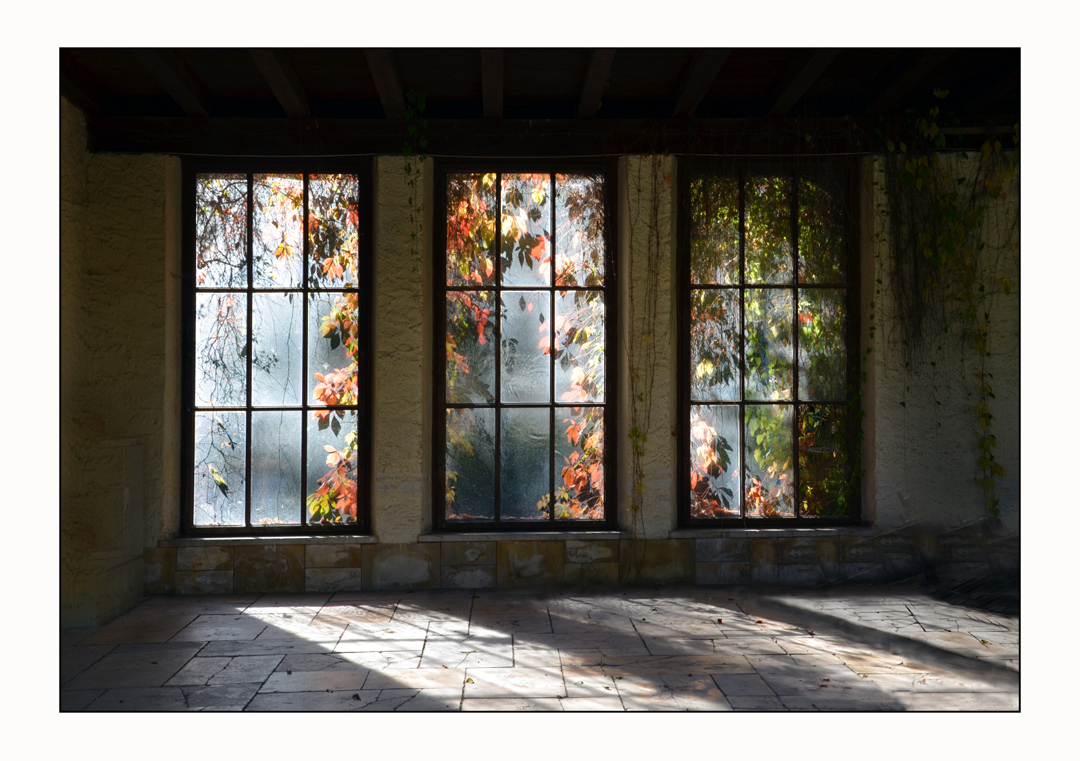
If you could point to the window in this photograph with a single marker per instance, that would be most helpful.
(767, 365)
(523, 377)
(277, 351)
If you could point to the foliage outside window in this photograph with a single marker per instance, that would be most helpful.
(276, 365)
(767, 392)
(523, 376)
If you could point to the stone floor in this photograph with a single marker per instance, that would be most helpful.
(636, 649)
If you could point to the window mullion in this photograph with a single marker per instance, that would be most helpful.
(304, 367)
(742, 343)
(795, 343)
(551, 357)
(498, 346)
(249, 342)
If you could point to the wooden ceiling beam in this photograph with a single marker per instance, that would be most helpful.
(596, 78)
(996, 91)
(387, 82)
(799, 79)
(283, 81)
(697, 81)
(913, 69)
(75, 85)
(491, 82)
(171, 73)
(471, 137)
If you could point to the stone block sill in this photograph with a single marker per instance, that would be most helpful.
(768, 533)
(522, 536)
(258, 541)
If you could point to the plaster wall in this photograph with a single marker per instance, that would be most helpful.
(402, 368)
(921, 430)
(113, 233)
(647, 380)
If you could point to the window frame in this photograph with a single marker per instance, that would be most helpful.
(691, 170)
(443, 169)
(362, 168)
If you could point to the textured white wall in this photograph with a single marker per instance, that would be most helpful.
(113, 249)
(647, 352)
(403, 356)
(921, 428)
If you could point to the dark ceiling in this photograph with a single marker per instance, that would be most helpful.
(515, 101)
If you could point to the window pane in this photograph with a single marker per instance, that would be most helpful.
(824, 483)
(526, 229)
(526, 346)
(714, 231)
(470, 464)
(768, 344)
(219, 468)
(579, 344)
(332, 344)
(714, 345)
(769, 468)
(714, 461)
(769, 252)
(526, 464)
(470, 229)
(277, 348)
(221, 231)
(579, 459)
(822, 344)
(333, 222)
(822, 228)
(579, 230)
(278, 230)
(220, 349)
(331, 467)
(470, 347)
(275, 468)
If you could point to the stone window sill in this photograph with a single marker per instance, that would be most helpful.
(765, 533)
(238, 541)
(523, 536)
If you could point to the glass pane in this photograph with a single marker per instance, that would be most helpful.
(822, 344)
(526, 223)
(332, 345)
(470, 347)
(579, 346)
(333, 225)
(825, 486)
(470, 464)
(220, 349)
(331, 467)
(579, 462)
(579, 230)
(714, 231)
(221, 231)
(822, 229)
(275, 468)
(470, 229)
(526, 346)
(277, 353)
(714, 461)
(278, 230)
(768, 344)
(769, 252)
(714, 345)
(526, 464)
(219, 468)
(769, 467)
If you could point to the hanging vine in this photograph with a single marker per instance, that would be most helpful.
(643, 297)
(413, 151)
(944, 273)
